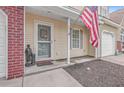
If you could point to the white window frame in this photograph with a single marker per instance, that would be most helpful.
(72, 38)
(6, 43)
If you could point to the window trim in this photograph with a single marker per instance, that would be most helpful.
(79, 30)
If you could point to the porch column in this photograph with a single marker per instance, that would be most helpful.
(68, 50)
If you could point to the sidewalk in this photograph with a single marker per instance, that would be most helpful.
(11, 83)
(54, 78)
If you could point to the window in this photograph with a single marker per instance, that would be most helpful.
(122, 38)
(75, 38)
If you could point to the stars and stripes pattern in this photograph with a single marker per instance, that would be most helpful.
(89, 17)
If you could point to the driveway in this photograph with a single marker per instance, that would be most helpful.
(119, 59)
(54, 78)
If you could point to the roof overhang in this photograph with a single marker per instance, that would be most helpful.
(55, 12)
(109, 22)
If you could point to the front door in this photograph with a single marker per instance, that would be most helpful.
(43, 42)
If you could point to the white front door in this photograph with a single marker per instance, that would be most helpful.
(43, 41)
(2, 45)
(108, 44)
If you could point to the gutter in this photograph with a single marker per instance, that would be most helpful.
(109, 22)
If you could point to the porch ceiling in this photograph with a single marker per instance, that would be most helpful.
(55, 12)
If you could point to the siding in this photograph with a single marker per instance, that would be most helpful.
(60, 36)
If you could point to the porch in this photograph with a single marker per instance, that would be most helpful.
(57, 64)
(50, 37)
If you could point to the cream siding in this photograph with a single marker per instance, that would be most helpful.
(60, 36)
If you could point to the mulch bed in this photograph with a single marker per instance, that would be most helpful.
(97, 74)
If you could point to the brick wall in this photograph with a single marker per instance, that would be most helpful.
(119, 47)
(15, 40)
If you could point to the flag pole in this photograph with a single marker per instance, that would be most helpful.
(78, 16)
(96, 49)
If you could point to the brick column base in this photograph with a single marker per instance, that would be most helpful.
(119, 46)
(15, 40)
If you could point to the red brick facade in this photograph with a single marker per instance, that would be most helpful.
(15, 40)
(119, 46)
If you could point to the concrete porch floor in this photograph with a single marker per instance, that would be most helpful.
(56, 64)
(52, 76)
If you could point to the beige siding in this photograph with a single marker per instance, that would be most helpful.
(59, 35)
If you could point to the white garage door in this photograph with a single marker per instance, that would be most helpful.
(108, 44)
(2, 44)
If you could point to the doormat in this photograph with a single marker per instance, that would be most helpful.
(43, 63)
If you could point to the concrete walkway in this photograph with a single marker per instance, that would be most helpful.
(119, 59)
(57, 64)
(54, 78)
(11, 83)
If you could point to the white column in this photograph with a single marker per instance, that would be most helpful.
(96, 52)
(101, 23)
(68, 50)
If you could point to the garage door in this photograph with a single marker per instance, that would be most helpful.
(108, 44)
(2, 44)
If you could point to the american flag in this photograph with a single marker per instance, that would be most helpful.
(89, 17)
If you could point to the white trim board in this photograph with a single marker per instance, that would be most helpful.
(6, 44)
